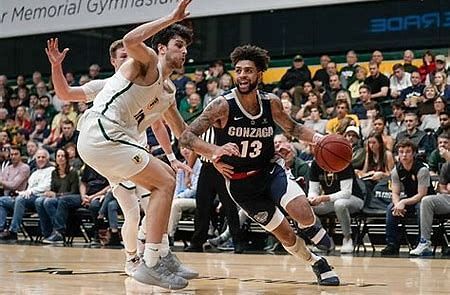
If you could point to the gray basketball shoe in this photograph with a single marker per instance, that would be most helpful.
(131, 265)
(172, 262)
(159, 275)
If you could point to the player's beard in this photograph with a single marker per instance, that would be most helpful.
(251, 86)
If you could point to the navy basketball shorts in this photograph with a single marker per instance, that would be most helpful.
(261, 194)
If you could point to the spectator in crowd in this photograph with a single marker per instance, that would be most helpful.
(13, 104)
(194, 108)
(378, 163)
(336, 192)
(41, 130)
(68, 135)
(342, 110)
(353, 135)
(32, 147)
(353, 88)
(377, 57)
(440, 67)
(179, 78)
(399, 81)
(429, 206)
(5, 90)
(321, 76)
(22, 119)
(189, 89)
(38, 183)
(296, 75)
(379, 126)
(440, 155)
(411, 177)
(314, 120)
(20, 140)
(431, 121)
(301, 97)
(49, 109)
(398, 122)
(408, 57)
(41, 90)
(13, 178)
(329, 99)
(64, 181)
(314, 101)
(34, 101)
(184, 196)
(440, 82)
(83, 79)
(218, 69)
(226, 82)
(36, 79)
(444, 123)
(200, 82)
(21, 84)
(23, 95)
(378, 83)
(348, 73)
(428, 65)
(426, 105)
(66, 113)
(414, 93)
(213, 91)
(70, 78)
(365, 97)
(75, 162)
(413, 133)
(94, 72)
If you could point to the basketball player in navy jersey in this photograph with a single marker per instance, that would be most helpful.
(244, 122)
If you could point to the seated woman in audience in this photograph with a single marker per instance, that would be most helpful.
(425, 106)
(301, 94)
(75, 162)
(379, 126)
(64, 182)
(22, 119)
(379, 161)
(431, 121)
(314, 101)
(440, 82)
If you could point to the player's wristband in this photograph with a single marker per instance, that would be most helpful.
(171, 157)
(317, 137)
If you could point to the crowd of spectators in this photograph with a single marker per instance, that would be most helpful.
(375, 111)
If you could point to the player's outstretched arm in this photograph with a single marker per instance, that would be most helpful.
(290, 126)
(134, 40)
(62, 88)
(215, 114)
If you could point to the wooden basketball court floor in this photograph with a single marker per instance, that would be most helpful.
(28, 269)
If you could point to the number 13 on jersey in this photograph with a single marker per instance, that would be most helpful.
(251, 149)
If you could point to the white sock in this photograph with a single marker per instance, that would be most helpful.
(165, 245)
(151, 254)
(300, 251)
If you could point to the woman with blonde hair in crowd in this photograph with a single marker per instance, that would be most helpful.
(426, 105)
(22, 119)
(361, 75)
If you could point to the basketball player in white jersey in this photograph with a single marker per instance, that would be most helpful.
(127, 193)
(109, 132)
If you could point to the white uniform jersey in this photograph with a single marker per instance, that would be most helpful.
(92, 88)
(132, 106)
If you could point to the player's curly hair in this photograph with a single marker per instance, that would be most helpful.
(163, 37)
(250, 52)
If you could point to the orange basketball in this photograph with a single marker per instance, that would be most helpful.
(333, 153)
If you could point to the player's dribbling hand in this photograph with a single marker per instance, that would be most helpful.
(180, 12)
(224, 169)
(54, 55)
(228, 149)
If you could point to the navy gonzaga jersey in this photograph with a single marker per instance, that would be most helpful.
(252, 134)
